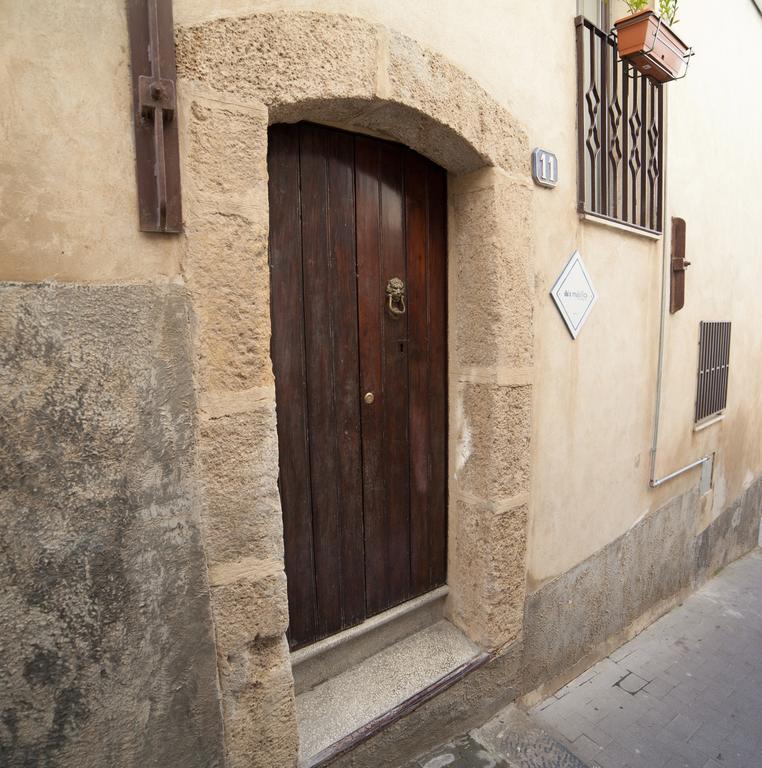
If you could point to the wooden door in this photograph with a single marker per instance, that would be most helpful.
(360, 375)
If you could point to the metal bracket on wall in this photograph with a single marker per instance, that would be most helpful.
(157, 153)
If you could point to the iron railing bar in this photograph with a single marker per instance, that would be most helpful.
(614, 132)
(604, 122)
(712, 367)
(698, 378)
(626, 140)
(643, 148)
(709, 367)
(727, 367)
(593, 125)
(660, 183)
(634, 151)
(581, 164)
(702, 368)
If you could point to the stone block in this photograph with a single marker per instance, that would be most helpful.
(241, 514)
(435, 87)
(227, 154)
(490, 275)
(258, 703)
(228, 275)
(492, 432)
(487, 572)
(337, 68)
(248, 605)
(281, 57)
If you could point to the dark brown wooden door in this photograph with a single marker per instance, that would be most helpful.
(360, 384)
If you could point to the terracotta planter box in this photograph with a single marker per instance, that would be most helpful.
(652, 48)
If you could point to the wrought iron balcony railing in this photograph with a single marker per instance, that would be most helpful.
(620, 124)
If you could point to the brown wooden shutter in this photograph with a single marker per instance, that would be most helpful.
(679, 265)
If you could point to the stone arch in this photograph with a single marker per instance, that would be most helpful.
(237, 76)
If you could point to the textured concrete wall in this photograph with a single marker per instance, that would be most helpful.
(654, 562)
(106, 649)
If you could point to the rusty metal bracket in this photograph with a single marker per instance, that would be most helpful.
(157, 153)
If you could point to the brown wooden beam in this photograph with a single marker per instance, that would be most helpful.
(157, 153)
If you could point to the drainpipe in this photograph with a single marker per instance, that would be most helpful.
(653, 481)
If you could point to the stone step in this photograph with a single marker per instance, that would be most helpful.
(343, 705)
(330, 657)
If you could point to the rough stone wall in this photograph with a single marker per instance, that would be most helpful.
(226, 268)
(237, 75)
(106, 649)
(648, 566)
(490, 359)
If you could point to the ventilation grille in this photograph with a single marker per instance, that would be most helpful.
(713, 368)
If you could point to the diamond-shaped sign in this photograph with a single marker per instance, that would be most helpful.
(574, 294)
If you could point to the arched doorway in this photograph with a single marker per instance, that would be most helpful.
(237, 76)
(358, 302)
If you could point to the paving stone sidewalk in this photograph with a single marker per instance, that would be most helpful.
(685, 693)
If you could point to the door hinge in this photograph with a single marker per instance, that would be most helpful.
(157, 153)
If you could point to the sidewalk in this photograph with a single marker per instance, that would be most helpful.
(685, 693)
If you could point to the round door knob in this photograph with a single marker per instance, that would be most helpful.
(369, 398)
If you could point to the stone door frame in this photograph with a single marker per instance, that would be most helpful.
(237, 75)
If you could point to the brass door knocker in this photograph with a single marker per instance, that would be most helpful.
(395, 290)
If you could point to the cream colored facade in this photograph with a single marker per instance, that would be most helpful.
(550, 437)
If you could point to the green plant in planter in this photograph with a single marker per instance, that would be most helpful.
(668, 11)
(636, 5)
(667, 8)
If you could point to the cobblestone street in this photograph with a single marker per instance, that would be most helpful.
(685, 693)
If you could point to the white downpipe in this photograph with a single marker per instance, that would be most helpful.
(653, 482)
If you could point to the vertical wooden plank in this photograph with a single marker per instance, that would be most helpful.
(346, 431)
(287, 350)
(416, 235)
(319, 292)
(383, 365)
(368, 206)
(677, 266)
(394, 376)
(437, 296)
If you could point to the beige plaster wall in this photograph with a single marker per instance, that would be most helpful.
(67, 212)
(594, 398)
(68, 200)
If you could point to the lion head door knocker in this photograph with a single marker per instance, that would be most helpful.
(395, 291)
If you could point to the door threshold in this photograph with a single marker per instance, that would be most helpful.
(343, 711)
(333, 655)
